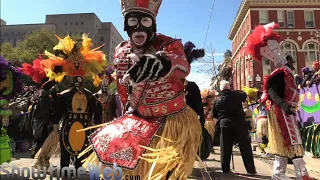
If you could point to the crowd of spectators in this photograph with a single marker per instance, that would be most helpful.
(309, 76)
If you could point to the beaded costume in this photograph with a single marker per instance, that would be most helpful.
(159, 135)
(10, 86)
(281, 97)
(76, 106)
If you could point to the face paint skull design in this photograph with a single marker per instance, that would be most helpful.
(140, 28)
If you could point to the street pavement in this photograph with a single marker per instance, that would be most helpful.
(263, 166)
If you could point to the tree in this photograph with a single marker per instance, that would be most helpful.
(227, 56)
(35, 45)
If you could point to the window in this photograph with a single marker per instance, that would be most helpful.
(266, 62)
(289, 48)
(71, 23)
(76, 23)
(266, 66)
(281, 19)
(65, 24)
(1, 41)
(101, 39)
(309, 19)
(14, 42)
(263, 17)
(311, 54)
(290, 19)
(81, 23)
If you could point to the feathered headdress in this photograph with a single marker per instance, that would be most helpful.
(74, 59)
(10, 83)
(205, 93)
(192, 53)
(264, 42)
(252, 93)
(34, 71)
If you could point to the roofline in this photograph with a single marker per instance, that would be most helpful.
(245, 6)
(41, 24)
(69, 14)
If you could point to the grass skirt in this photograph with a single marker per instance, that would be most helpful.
(262, 127)
(50, 147)
(210, 127)
(174, 151)
(276, 141)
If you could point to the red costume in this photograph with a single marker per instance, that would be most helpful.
(281, 97)
(159, 135)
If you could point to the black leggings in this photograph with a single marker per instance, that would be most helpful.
(265, 139)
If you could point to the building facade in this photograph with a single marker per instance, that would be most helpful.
(298, 21)
(72, 24)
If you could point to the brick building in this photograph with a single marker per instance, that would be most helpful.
(298, 19)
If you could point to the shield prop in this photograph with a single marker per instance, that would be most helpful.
(119, 141)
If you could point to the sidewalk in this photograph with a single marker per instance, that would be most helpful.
(312, 164)
(263, 167)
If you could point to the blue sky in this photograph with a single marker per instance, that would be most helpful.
(184, 19)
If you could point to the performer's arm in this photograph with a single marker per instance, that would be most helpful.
(174, 52)
(93, 103)
(274, 90)
(194, 100)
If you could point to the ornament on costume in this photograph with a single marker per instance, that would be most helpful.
(35, 71)
(74, 59)
(10, 83)
(264, 42)
(150, 7)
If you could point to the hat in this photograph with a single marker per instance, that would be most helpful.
(74, 59)
(35, 71)
(305, 70)
(264, 42)
(150, 7)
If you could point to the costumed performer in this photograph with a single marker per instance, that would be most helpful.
(193, 97)
(207, 100)
(159, 135)
(10, 86)
(252, 94)
(76, 106)
(107, 95)
(281, 97)
(42, 114)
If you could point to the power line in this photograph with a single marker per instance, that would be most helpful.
(205, 39)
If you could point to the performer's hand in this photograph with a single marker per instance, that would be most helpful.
(150, 67)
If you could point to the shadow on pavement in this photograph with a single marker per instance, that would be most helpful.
(19, 155)
(216, 173)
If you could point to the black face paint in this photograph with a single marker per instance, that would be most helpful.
(140, 28)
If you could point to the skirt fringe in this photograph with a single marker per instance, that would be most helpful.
(50, 147)
(276, 141)
(210, 127)
(174, 150)
(262, 127)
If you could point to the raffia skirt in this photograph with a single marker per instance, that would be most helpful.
(276, 141)
(174, 151)
(210, 126)
(262, 127)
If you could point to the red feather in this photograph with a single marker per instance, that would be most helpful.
(259, 38)
(34, 71)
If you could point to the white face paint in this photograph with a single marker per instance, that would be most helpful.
(132, 21)
(146, 22)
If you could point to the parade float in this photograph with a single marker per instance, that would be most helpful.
(309, 115)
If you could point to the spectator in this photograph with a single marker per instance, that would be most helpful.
(229, 112)
(307, 75)
(316, 69)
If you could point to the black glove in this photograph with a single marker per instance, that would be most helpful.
(149, 67)
(287, 109)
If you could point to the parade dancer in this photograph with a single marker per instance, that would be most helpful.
(207, 99)
(76, 106)
(281, 97)
(252, 94)
(159, 135)
(42, 114)
(107, 96)
(10, 86)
